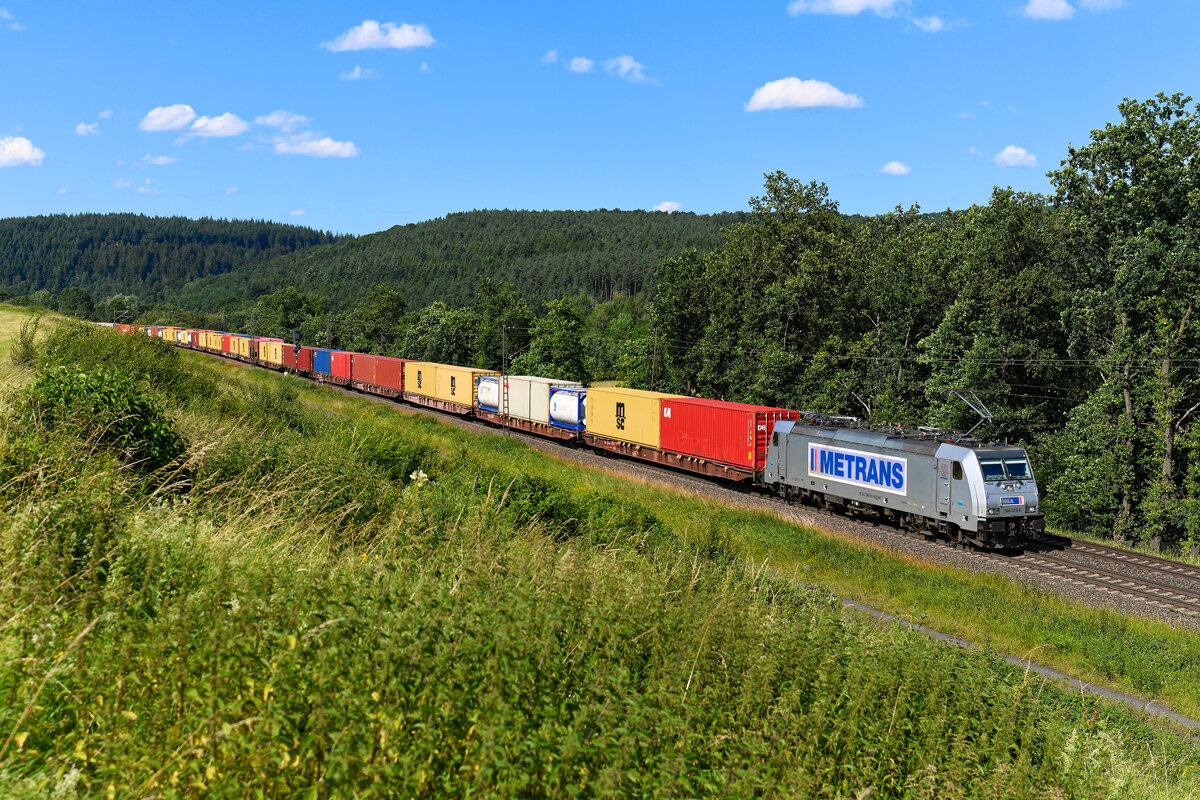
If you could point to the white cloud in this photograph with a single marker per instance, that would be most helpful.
(626, 67)
(299, 212)
(11, 21)
(795, 93)
(17, 151)
(231, 190)
(84, 129)
(967, 115)
(285, 121)
(121, 183)
(895, 168)
(307, 144)
(882, 7)
(373, 36)
(105, 114)
(550, 57)
(1049, 9)
(669, 206)
(158, 161)
(149, 188)
(63, 190)
(357, 74)
(424, 69)
(168, 118)
(1013, 156)
(986, 104)
(936, 24)
(225, 125)
(973, 151)
(296, 141)
(581, 64)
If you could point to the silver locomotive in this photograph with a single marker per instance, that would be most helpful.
(924, 481)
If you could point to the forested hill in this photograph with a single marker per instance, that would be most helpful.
(542, 254)
(151, 257)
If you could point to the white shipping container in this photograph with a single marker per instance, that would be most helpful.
(529, 396)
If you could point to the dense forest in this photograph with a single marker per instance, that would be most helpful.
(1073, 315)
(542, 254)
(131, 254)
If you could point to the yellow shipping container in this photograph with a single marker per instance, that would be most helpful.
(628, 415)
(420, 377)
(458, 384)
(271, 352)
(240, 345)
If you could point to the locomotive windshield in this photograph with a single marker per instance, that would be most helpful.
(992, 470)
(1016, 469)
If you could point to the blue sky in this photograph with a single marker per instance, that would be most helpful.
(356, 116)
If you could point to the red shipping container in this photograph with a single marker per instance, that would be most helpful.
(225, 339)
(362, 368)
(389, 372)
(736, 434)
(340, 364)
(302, 361)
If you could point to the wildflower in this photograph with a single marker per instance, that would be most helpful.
(419, 477)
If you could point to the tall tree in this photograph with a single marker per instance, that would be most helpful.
(556, 349)
(1134, 192)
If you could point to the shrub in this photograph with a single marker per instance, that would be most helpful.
(24, 350)
(85, 347)
(108, 409)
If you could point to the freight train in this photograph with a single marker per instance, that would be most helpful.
(926, 481)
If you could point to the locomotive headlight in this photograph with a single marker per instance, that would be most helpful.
(1032, 509)
(993, 511)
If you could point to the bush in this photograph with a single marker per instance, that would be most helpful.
(85, 347)
(108, 409)
(24, 350)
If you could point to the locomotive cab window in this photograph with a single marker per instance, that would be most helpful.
(992, 470)
(775, 439)
(958, 471)
(1018, 469)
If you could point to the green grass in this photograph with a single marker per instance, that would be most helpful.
(291, 609)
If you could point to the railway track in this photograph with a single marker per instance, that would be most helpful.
(1104, 551)
(1149, 590)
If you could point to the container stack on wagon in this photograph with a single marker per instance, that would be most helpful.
(378, 374)
(298, 359)
(717, 437)
(443, 386)
(624, 420)
(522, 401)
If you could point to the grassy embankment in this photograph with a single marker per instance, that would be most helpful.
(279, 606)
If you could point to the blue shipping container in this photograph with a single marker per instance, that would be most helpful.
(321, 362)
